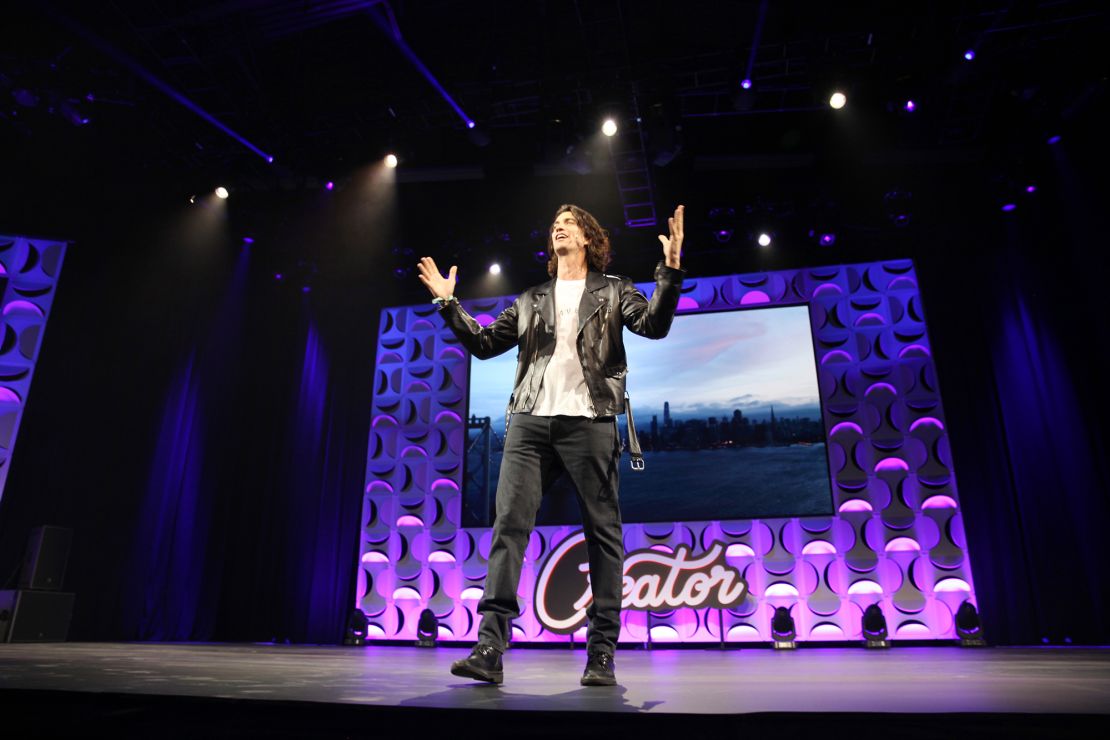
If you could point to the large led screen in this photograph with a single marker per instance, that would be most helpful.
(727, 412)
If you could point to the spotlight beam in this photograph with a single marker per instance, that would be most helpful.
(388, 25)
(756, 37)
(148, 77)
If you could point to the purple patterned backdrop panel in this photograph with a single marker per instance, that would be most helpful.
(895, 539)
(29, 270)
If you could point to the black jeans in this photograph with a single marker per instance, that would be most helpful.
(537, 448)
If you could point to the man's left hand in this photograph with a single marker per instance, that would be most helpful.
(672, 247)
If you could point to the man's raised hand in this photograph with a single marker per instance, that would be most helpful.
(437, 285)
(672, 247)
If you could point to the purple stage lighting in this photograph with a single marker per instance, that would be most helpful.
(330, 185)
(827, 239)
(723, 235)
(248, 240)
(278, 276)
(1053, 139)
(969, 54)
(746, 83)
(470, 124)
(270, 158)
(910, 106)
(1030, 188)
(1009, 207)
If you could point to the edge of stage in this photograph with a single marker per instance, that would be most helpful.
(236, 690)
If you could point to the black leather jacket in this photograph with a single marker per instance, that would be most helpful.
(609, 303)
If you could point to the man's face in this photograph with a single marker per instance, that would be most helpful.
(567, 236)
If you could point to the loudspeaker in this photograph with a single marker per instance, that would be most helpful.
(44, 560)
(35, 616)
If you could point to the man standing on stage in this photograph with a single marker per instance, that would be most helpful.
(569, 389)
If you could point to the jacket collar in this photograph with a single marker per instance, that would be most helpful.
(545, 303)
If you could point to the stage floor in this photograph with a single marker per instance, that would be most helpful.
(143, 690)
(908, 680)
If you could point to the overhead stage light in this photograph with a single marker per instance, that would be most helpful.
(783, 632)
(329, 185)
(827, 239)
(968, 627)
(910, 106)
(221, 192)
(969, 54)
(746, 83)
(764, 240)
(837, 100)
(391, 160)
(470, 124)
(609, 128)
(427, 629)
(495, 269)
(875, 633)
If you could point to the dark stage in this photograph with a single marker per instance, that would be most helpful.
(137, 689)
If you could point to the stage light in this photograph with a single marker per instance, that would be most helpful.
(1030, 188)
(540, 256)
(1053, 139)
(609, 128)
(356, 629)
(427, 629)
(783, 632)
(391, 160)
(723, 235)
(329, 185)
(968, 627)
(746, 83)
(1007, 207)
(270, 159)
(248, 240)
(827, 239)
(764, 240)
(470, 124)
(969, 54)
(495, 269)
(875, 633)
(837, 100)
(221, 193)
(192, 199)
(910, 106)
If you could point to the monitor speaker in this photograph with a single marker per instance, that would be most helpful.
(35, 616)
(44, 560)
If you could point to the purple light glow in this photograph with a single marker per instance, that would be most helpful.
(819, 547)
(330, 185)
(835, 356)
(865, 586)
(248, 240)
(952, 584)
(746, 83)
(445, 482)
(1030, 188)
(855, 504)
(408, 520)
(1009, 207)
(470, 124)
(903, 544)
(753, 297)
(440, 556)
(781, 589)
(827, 240)
(939, 502)
(850, 426)
(406, 592)
(483, 319)
(739, 550)
(881, 387)
(927, 421)
(375, 557)
(1053, 139)
(270, 159)
(969, 54)
(910, 107)
(472, 593)
(277, 276)
(891, 463)
(686, 303)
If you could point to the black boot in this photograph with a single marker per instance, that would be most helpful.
(483, 664)
(599, 670)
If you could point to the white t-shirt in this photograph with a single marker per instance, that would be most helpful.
(563, 391)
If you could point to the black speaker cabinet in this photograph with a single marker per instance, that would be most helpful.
(35, 616)
(44, 561)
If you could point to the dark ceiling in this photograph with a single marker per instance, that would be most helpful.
(324, 86)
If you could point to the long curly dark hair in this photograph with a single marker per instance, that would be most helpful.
(598, 251)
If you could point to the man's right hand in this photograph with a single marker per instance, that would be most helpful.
(438, 286)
